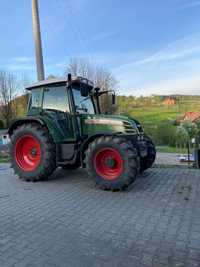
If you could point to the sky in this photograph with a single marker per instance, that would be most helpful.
(150, 46)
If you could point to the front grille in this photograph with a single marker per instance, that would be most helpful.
(129, 128)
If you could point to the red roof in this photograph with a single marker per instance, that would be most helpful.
(168, 101)
(190, 116)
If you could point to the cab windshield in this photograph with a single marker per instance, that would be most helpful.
(83, 105)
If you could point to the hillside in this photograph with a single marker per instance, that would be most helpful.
(151, 110)
(156, 117)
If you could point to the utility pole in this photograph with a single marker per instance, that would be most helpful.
(37, 39)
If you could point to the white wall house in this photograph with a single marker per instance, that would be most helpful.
(4, 138)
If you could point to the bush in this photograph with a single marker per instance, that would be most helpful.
(1, 124)
(165, 134)
(150, 130)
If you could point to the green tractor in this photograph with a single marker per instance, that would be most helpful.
(64, 128)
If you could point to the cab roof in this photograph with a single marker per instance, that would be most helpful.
(63, 80)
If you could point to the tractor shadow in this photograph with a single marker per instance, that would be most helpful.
(80, 176)
(61, 174)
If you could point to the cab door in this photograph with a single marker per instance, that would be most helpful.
(56, 106)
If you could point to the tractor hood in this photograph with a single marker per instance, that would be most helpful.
(94, 124)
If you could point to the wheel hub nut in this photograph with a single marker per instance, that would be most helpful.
(110, 162)
(34, 152)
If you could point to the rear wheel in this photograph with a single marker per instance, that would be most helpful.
(112, 162)
(33, 152)
(148, 161)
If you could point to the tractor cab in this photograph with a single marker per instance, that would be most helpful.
(61, 95)
(77, 96)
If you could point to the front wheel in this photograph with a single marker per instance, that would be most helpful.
(33, 152)
(148, 161)
(112, 162)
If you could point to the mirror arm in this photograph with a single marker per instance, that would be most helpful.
(104, 92)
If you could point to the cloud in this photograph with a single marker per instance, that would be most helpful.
(60, 16)
(21, 67)
(61, 65)
(188, 86)
(19, 64)
(177, 50)
(22, 59)
(23, 64)
(71, 5)
(103, 35)
(190, 4)
(168, 55)
(174, 68)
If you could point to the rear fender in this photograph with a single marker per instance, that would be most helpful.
(19, 122)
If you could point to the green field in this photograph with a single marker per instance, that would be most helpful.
(155, 114)
(4, 159)
(168, 149)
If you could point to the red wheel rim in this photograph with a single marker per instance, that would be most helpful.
(27, 153)
(108, 163)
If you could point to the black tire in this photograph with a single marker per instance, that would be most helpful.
(46, 159)
(147, 162)
(123, 149)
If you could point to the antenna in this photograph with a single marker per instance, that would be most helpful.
(38, 41)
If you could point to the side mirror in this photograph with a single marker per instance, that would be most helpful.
(113, 99)
(97, 90)
(84, 90)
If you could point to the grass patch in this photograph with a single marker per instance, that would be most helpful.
(4, 158)
(155, 115)
(168, 149)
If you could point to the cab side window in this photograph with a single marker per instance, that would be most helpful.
(55, 98)
(36, 98)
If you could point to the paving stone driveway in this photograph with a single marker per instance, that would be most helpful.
(169, 159)
(68, 222)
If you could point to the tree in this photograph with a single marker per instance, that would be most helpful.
(51, 76)
(182, 136)
(101, 77)
(1, 124)
(198, 134)
(185, 133)
(8, 88)
(20, 102)
(191, 129)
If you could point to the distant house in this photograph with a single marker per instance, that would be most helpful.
(3, 137)
(169, 101)
(189, 116)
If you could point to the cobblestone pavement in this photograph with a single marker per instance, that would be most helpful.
(169, 159)
(66, 221)
(3, 148)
